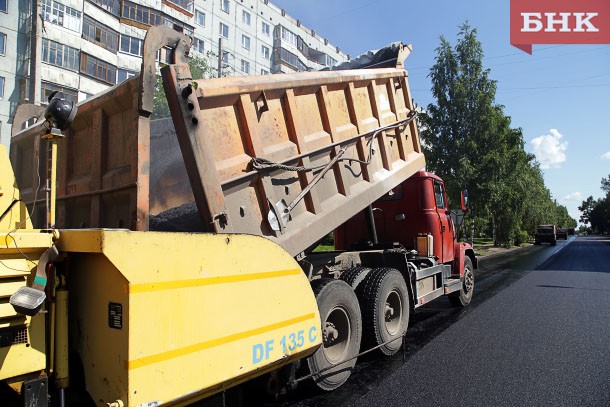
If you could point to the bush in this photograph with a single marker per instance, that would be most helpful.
(521, 237)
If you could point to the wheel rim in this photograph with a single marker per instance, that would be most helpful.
(393, 312)
(468, 281)
(336, 334)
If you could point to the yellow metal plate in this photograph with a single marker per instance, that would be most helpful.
(196, 312)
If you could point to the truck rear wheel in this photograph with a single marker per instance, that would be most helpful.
(463, 297)
(384, 303)
(341, 333)
(355, 275)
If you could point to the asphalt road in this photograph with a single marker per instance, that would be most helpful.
(537, 333)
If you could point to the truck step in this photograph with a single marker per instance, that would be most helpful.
(452, 285)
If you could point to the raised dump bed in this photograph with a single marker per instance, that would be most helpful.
(241, 139)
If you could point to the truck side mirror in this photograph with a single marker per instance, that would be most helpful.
(464, 200)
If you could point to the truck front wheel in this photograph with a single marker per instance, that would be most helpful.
(384, 302)
(341, 333)
(463, 297)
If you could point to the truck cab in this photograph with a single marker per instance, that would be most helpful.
(546, 234)
(415, 210)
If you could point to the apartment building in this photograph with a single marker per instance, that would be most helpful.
(82, 47)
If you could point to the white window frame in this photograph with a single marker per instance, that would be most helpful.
(222, 28)
(5, 10)
(3, 48)
(245, 67)
(131, 39)
(265, 51)
(65, 16)
(245, 41)
(2, 81)
(61, 55)
(265, 28)
(224, 5)
(245, 17)
(289, 36)
(264, 72)
(199, 15)
(128, 74)
(196, 42)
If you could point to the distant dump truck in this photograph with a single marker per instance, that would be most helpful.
(562, 233)
(546, 234)
(275, 163)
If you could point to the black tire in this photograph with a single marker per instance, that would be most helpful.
(355, 275)
(341, 333)
(463, 297)
(384, 303)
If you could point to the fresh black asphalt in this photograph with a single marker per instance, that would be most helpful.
(542, 341)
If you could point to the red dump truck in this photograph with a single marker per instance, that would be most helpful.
(251, 175)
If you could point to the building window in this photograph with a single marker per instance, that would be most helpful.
(245, 67)
(71, 95)
(111, 6)
(245, 17)
(97, 68)
(265, 29)
(59, 14)
(289, 36)
(224, 5)
(4, 5)
(224, 30)
(132, 45)
(265, 51)
(245, 41)
(148, 16)
(124, 74)
(141, 14)
(291, 59)
(184, 4)
(329, 61)
(225, 57)
(2, 43)
(200, 18)
(264, 72)
(1, 87)
(100, 34)
(198, 45)
(57, 54)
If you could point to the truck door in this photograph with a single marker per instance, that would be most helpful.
(446, 224)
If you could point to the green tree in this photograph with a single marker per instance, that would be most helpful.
(597, 212)
(200, 69)
(585, 208)
(469, 141)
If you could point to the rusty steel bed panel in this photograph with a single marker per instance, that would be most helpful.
(303, 119)
(102, 170)
(103, 167)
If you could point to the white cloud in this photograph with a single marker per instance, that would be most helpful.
(574, 196)
(550, 151)
(606, 156)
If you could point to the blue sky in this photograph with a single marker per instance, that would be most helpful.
(559, 96)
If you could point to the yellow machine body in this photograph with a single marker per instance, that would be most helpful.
(169, 318)
(22, 338)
